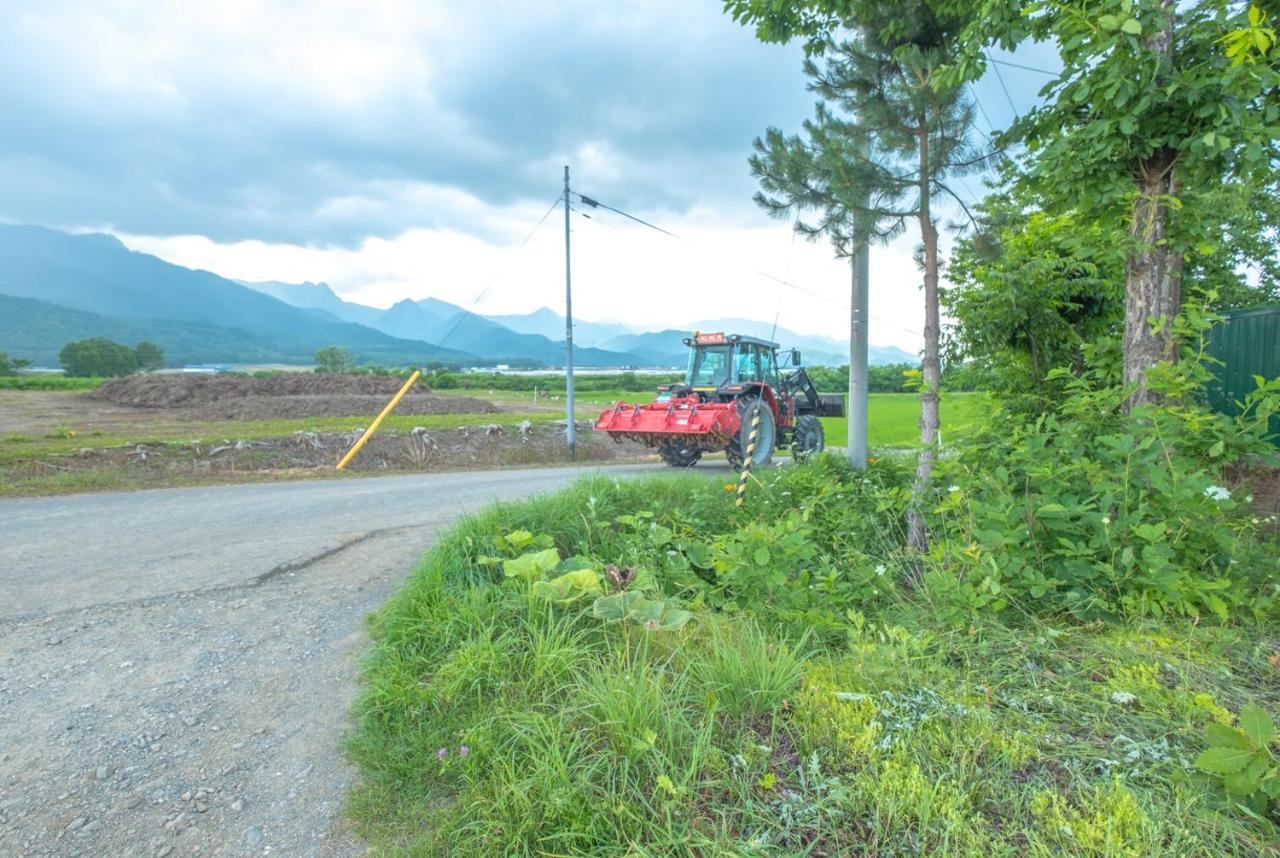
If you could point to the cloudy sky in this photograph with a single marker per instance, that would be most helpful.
(405, 148)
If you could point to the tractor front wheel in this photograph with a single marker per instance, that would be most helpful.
(808, 438)
(679, 456)
(748, 407)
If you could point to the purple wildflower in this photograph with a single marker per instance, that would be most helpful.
(463, 751)
(442, 753)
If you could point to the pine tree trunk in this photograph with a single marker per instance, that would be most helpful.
(1153, 272)
(931, 366)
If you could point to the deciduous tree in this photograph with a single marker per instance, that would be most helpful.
(150, 356)
(334, 359)
(1160, 107)
(97, 357)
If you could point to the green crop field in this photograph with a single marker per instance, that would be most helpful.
(893, 419)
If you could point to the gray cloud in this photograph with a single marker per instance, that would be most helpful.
(148, 127)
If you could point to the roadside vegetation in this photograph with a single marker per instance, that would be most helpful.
(1055, 631)
(1075, 666)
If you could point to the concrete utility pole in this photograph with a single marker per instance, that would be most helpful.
(571, 430)
(858, 328)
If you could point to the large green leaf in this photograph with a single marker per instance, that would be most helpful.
(1224, 761)
(653, 614)
(1244, 782)
(569, 587)
(1220, 735)
(1257, 725)
(617, 606)
(533, 566)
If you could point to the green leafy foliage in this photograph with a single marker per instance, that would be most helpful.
(532, 566)
(1101, 514)
(149, 356)
(750, 732)
(1244, 759)
(97, 356)
(10, 366)
(334, 359)
(1030, 293)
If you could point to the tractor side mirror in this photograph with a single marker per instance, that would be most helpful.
(795, 357)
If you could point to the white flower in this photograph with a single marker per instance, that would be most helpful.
(880, 570)
(954, 489)
(1123, 698)
(1106, 521)
(1217, 493)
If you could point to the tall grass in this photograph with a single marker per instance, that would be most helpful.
(732, 736)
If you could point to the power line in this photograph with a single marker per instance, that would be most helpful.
(597, 204)
(992, 59)
(756, 271)
(974, 92)
(466, 311)
(1000, 77)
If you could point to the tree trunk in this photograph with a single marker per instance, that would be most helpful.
(931, 365)
(1153, 272)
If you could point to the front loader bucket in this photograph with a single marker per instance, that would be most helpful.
(694, 425)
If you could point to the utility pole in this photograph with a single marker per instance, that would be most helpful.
(570, 428)
(858, 319)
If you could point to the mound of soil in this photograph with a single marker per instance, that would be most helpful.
(171, 390)
(232, 397)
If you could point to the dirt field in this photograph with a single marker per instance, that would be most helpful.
(224, 397)
(172, 431)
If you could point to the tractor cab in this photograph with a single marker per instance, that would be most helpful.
(722, 366)
(732, 387)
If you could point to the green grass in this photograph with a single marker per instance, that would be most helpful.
(48, 382)
(902, 736)
(893, 419)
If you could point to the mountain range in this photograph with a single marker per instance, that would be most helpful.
(56, 287)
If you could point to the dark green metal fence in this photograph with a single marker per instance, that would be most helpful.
(1248, 344)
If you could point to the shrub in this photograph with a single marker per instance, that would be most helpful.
(1095, 512)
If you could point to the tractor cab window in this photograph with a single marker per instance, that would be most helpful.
(708, 366)
(769, 366)
(747, 364)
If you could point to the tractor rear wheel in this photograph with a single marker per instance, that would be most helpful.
(808, 439)
(679, 456)
(748, 407)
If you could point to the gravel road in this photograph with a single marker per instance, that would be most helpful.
(176, 665)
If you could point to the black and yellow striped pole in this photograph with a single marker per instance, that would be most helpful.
(751, 453)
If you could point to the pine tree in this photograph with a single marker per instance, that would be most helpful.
(884, 138)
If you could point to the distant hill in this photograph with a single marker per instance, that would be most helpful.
(550, 324)
(440, 321)
(37, 330)
(317, 296)
(666, 347)
(99, 275)
(94, 285)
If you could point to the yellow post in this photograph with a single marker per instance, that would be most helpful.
(395, 400)
(751, 452)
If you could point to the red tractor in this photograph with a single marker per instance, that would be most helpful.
(730, 379)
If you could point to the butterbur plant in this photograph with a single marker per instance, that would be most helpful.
(1244, 759)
